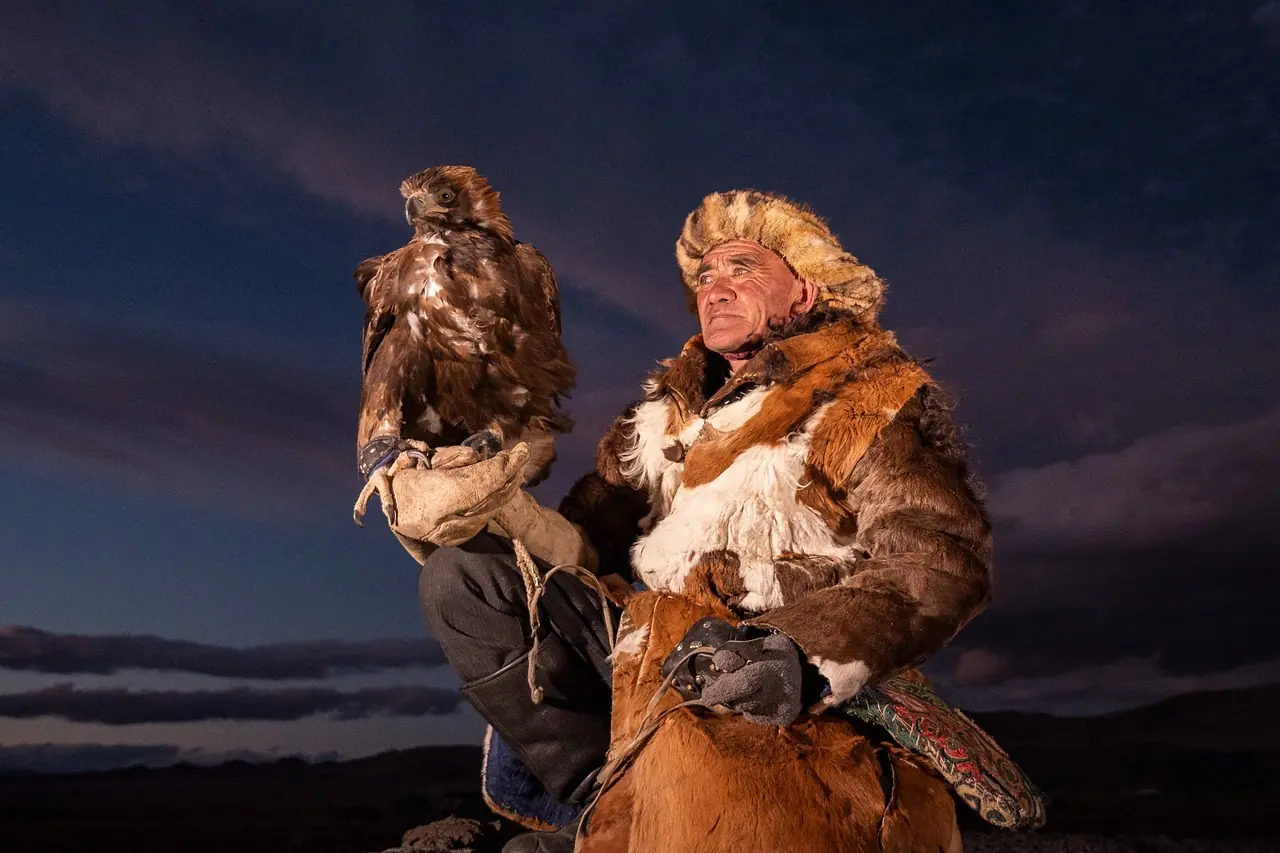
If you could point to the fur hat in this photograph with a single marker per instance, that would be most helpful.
(791, 230)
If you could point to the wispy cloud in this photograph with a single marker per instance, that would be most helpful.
(117, 707)
(183, 94)
(188, 418)
(32, 650)
(1163, 488)
(1142, 554)
(182, 416)
(1092, 689)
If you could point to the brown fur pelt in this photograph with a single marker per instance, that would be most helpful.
(715, 783)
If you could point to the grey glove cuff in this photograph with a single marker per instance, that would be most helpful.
(759, 675)
(765, 691)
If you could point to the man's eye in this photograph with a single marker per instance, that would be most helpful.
(704, 279)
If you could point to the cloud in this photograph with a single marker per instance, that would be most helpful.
(294, 90)
(216, 424)
(118, 707)
(32, 650)
(1093, 689)
(1161, 551)
(174, 414)
(1162, 488)
(979, 666)
(1267, 16)
(181, 92)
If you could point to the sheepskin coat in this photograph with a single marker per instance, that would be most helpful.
(821, 491)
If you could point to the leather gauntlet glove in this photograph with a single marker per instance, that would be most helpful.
(748, 670)
(452, 501)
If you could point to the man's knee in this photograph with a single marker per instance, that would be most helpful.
(469, 585)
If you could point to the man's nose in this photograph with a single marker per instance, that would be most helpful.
(720, 291)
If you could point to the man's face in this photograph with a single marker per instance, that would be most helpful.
(743, 291)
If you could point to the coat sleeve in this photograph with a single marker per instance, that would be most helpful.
(926, 567)
(606, 506)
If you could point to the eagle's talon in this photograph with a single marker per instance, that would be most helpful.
(485, 443)
(379, 482)
(417, 451)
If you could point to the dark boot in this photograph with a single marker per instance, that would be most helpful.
(562, 740)
(560, 841)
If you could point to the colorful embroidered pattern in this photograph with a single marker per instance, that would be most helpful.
(982, 774)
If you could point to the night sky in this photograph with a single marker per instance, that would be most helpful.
(1076, 205)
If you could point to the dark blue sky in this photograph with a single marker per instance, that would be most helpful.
(1075, 206)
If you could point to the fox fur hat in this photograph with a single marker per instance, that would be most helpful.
(792, 230)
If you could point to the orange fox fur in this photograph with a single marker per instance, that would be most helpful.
(715, 783)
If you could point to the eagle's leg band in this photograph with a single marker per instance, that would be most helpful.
(485, 443)
(377, 453)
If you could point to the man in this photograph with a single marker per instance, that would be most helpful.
(792, 459)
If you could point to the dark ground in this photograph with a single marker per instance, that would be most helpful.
(1201, 767)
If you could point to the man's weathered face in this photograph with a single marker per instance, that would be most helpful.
(743, 291)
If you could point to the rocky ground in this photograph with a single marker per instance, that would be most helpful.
(990, 843)
(458, 835)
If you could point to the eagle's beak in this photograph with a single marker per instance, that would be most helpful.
(417, 207)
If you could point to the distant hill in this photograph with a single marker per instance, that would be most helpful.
(1203, 765)
(1225, 719)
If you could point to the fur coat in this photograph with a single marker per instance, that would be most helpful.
(821, 491)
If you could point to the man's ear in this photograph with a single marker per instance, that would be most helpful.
(804, 301)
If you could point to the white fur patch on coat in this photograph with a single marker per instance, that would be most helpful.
(631, 643)
(646, 463)
(846, 679)
(643, 462)
(750, 509)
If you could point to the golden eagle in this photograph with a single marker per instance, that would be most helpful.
(461, 337)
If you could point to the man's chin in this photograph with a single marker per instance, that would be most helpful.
(734, 346)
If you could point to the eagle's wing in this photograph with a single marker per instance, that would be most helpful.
(378, 316)
(538, 270)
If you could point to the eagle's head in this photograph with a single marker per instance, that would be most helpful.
(442, 195)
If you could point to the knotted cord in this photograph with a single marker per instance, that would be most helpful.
(535, 584)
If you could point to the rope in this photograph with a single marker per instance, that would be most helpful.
(535, 584)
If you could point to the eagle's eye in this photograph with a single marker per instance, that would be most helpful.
(445, 196)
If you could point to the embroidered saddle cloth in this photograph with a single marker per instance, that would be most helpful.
(981, 773)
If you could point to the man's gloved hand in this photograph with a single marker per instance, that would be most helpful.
(546, 533)
(749, 670)
(455, 498)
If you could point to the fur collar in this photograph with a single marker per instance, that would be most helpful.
(699, 379)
